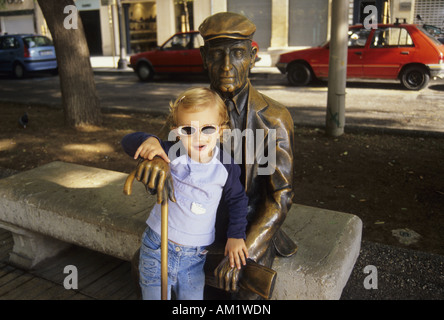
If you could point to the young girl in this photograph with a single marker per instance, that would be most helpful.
(201, 177)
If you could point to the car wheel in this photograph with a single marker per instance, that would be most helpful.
(415, 78)
(18, 71)
(145, 72)
(298, 74)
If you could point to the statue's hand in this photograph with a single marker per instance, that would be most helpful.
(156, 176)
(227, 277)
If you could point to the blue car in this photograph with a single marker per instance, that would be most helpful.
(24, 53)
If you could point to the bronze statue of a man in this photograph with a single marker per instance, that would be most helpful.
(228, 56)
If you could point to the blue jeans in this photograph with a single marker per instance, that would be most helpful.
(186, 277)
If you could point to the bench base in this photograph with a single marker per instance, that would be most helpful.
(31, 248)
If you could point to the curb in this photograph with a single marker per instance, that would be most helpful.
(356, 129)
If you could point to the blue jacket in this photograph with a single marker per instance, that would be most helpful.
(198, 188)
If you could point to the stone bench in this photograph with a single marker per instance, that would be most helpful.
(59, 204)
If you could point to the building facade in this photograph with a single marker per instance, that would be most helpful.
(21, 16)
(282, 25)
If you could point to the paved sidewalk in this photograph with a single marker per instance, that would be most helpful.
(375, 106)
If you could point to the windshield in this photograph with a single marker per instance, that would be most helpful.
(436, 41)
(37, 41)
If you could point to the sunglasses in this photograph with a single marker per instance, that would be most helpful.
(190, 130)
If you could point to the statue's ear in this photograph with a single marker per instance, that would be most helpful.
(204, 57)
(253, 56)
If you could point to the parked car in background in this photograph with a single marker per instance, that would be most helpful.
(23, 53)
(179, 54)
(393, 51)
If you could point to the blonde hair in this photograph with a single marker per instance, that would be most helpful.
(196, 99)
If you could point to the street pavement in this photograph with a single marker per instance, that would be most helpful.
(376, 105)
(380, 104)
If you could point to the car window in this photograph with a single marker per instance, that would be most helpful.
(357, 38)
(434, 31)
(431, 37)
(9, 43)
(391, 37)
(37, 41)
(198, 41)
(178, 42)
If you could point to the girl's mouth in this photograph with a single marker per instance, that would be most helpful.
(200, 147)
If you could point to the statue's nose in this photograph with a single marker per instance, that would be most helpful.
(227, 62)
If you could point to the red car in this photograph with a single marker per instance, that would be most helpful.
(393, 51)
(179, 54)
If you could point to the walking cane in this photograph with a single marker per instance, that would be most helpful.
(164, 250)
(127, 189)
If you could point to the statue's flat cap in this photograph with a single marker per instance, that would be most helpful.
(227, 25)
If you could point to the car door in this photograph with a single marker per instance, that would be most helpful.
(390, 48)
(176, 55)
(357, 44)
(9, 51)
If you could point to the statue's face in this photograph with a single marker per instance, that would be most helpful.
(228, 63)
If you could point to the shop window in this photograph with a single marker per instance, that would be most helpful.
(183, 10)
(259, 12)
(308, 22)
(143, 27)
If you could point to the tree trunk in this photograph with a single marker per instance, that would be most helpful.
(79, 97)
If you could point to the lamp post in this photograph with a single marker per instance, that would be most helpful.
(122, 63)
(337, 72)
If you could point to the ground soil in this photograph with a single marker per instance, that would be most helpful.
(394, 183)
